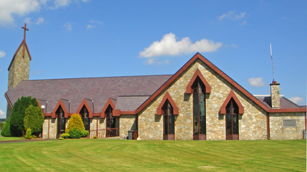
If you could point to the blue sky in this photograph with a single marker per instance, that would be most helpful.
(93, 38)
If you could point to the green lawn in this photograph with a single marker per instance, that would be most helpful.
(124, 155)
(10, 138)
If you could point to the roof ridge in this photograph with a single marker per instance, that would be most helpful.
(99, 77)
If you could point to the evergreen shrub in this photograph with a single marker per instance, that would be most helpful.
(28, 134)
(18, 114)
(85, 133)
(75, 122)
(34, 136)
(74, 133)
(61, 138)
(33, 119)
(65, 135)
(95, 137)
(6, 130)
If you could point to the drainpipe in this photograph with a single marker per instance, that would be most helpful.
(268, 125)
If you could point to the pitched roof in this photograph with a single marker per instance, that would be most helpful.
(284, 102)
(22, 42)
(75, 90)
(130, 103)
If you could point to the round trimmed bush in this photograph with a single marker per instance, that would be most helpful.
(74, 133)
(65, 135)
(85, 133)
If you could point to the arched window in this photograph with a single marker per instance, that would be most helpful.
(168, 121)
(232, 120)
(199, 110)
(112, 123)
(85, 118)
(60, 121)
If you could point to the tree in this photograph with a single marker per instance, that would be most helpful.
(34, 119)
(75, 122)
(18, 114)
(6, 130)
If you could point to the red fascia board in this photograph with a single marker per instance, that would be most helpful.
(109, 102)
(214, 68)
(22, 42)
(60, 103)
(120, 113)
(84, 103)
(8, 100)
(168, 97)
(47, 114)
(189, 89)
(231, 95)
(287, 110)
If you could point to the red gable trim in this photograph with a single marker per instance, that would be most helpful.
(23, 42)
(8, 100)
(189, 89)
(103, 112)
(119, 112)
(231, 95)
(60, 103)
(84, 103)
(287, 110)
(214, 68)
(168, 97)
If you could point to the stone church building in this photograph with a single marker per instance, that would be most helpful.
(198, 102)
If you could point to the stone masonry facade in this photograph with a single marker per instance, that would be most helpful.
(252, 124)
(279, 132)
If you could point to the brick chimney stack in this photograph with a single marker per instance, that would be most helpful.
(275, 101)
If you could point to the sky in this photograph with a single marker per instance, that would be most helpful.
(94, 38)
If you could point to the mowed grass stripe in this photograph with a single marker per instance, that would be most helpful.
(123, 155)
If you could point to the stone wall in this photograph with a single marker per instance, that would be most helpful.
(45, 128)
(19, 69)
(278, 132)
(53, 128)
(252, 124)
(127, 122)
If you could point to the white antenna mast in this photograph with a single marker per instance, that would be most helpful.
(272, 62)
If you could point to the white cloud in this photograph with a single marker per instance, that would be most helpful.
(156, 61)
(2, 53)
(27, 20)
(243, 23)
(2, 114)
(233, 16)
(170, 46)
(40, 20)
(19, 7)
(256, 82)
(61, 3)
(234, 45)
(10, 8)
(90, 26)
(93, 24)
(297, 100)
(68, 26)
(1, 70)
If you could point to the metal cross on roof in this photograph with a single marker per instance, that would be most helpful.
(25, 29)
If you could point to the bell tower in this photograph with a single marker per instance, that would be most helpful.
(20, 64)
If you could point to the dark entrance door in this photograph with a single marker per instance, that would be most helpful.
(169, 121)
(60, 122)
(232, 121)
(112, 128)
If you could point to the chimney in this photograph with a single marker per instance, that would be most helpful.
(275, 101)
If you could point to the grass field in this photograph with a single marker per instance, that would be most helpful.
(124, 155)
(10, 138)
